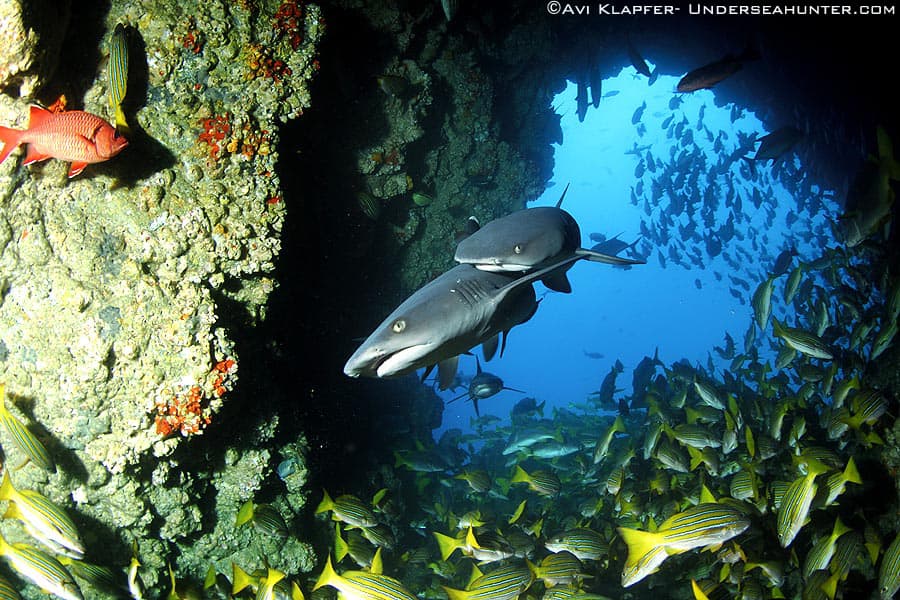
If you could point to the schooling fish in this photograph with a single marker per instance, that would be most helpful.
(73, 135)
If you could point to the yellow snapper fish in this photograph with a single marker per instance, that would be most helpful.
(796, 501)
(45, 521)
(117, 74)
(41, 569)
(505, 583)
(701, 525)
(362, 585)
(22, 436)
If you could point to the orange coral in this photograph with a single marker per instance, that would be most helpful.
(289, 22)
(187, 413)
(183, 413)
(192, 39)
(214, 131)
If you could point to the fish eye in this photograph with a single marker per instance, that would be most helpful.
(517, 248)
(398, 326)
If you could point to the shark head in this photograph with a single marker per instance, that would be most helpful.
(396, 347)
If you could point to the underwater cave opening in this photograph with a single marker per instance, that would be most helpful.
(675, 174)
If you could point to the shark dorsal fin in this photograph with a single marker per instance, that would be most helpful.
(560, 201)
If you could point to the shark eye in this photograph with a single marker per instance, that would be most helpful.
(398, 326)
(517, 248)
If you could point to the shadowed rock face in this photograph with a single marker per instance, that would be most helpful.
(33, 34)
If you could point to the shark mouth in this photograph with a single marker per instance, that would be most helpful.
(502, 267)
(401, 361)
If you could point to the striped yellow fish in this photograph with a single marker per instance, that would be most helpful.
(349, 509)
(585, 544)
(559, 568)
(117, 73)
(820, 554)
(762, 302)
(795, 503)
(504, 583)
(889, 571)
(545, 483)
(45, 521)
(41, 569)
(699, 525)
(802, 341)
(362, 585)
(23, 438)
(836, 482)
(478, 479)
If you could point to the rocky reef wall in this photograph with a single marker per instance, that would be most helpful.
(122, 286)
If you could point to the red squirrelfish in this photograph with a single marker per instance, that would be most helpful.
(73, 135)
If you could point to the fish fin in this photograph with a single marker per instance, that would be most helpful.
(558, 282)
(341, 549)
(608, 259)
(640, 543)
(76, 168)
(245, 514)
(851, 474)
(470, 539)
(296, 592)
(561, 198)
(240, 579)
(328, 575)
(425, 373)
(326, 504)
(830, 585)
(456, 594)
(37, 115)
(460, 397)
(377, 563)
(447, 372)
(476, 573)
(33, 156)
(520, 476)
(11, 139)
(446, 544)
(475, 404)
(839, 528)
(121, 124)
(7, 490)
(489, 348)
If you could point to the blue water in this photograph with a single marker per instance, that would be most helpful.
(628, 314)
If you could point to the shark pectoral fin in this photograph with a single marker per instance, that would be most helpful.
(503, 345)
(475, 404)
(489, 347)
(558, 282)
(606, 258)
(447, 372)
